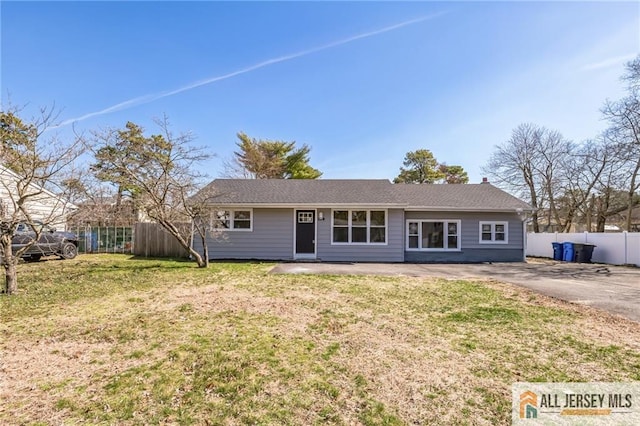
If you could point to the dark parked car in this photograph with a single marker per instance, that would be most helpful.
(50, 243)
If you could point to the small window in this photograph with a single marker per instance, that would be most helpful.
(231, 220)
(341, 218)
(305, 217)
(340, 235)
(432, 235)
(377, 227)
(452, 235)
(413, 235)
(359, 226)
(340, 226)
(494, 232)
(242, 219)
(487, 234)
(221, 219)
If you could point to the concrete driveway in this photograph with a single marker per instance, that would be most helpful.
(615, 289)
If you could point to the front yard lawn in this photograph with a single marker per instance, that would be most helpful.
(110, 339)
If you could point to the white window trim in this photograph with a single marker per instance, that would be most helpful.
(446, 222)
(231, 220)
(493, 224)
(348, 226)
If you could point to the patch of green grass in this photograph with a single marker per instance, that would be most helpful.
(327, 415)
(330, 351)
(222, 374)
(44, 286)
(162, 341)
(137, 354)
(374, 413)
(49, 386)
(64, 403)
(186, 307)
(485, 314)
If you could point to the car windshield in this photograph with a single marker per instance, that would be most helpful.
(37, 225)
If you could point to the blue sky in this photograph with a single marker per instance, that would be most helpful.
(362, 83)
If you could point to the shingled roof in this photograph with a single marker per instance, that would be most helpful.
(302, 191)
(354, 192)
(475, 197)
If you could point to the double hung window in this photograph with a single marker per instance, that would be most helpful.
(494, 232)
(435, 235)
(359, 226)
(239, 220)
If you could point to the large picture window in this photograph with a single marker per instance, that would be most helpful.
(232, 220)
(435, 235)
(359, 226)
(494, 232)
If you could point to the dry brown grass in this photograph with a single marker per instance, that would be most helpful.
(145, 342)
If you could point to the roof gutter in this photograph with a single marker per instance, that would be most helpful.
(308, 205)
(467, 209)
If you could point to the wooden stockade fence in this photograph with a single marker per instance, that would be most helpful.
(151, 240)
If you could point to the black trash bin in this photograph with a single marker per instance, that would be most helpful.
(577, 252)
(557, 251)
(585, 253)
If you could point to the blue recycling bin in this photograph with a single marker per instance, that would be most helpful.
(567, 252)
(557, 251)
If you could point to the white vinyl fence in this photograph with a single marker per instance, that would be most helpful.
(612, 248)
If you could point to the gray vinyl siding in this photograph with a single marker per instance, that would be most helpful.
(270, 239)
(393, 251)
(471, 248)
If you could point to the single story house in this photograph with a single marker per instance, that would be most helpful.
(363, 221)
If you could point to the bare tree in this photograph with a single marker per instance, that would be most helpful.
(632, 75)
(569, 182)
(552, 157)
(514, 166)
(32, 171)
(595, 176)
(624, 128)
(557, 176)
(158, 174)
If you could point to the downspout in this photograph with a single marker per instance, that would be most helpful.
(523, 217)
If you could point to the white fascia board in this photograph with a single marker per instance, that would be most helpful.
(308, 205)
(462, 209)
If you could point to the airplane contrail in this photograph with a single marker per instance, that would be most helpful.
(608, 62)
(159, 95)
